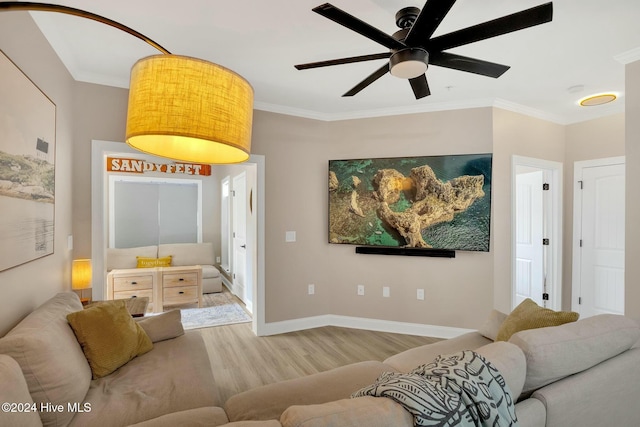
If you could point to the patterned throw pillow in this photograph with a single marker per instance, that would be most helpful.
(109, 336)
(529, 315)
(145, 262)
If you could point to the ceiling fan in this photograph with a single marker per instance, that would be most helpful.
(412, 49)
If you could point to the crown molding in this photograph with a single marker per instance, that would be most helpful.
(629, 56)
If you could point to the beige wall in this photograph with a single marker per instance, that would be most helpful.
(632, 152)
(25, 287)
(459, 292)
(515, 134)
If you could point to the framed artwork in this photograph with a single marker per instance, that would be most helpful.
(436, 202)
(27, 168)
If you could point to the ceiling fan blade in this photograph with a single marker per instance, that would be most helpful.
(346, 20)
(507, 24)
(340, 61)
(420, 86)
(428, 21)
(370, 79)
(470, 65)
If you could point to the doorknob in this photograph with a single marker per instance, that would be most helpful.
(243, 246)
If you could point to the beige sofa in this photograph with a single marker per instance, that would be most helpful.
(578, 374)
(583, 373)
(182, 254)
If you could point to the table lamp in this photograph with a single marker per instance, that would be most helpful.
(81, 277)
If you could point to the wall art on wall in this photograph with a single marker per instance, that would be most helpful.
(27, 168)
(438, 202)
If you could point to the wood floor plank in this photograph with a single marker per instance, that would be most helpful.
(241, 361)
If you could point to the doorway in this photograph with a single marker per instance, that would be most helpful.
(599, 237)
(99, 225)
(536, 267)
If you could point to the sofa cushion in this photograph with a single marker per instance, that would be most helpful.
(108, 336)
(148, 262)
(14, 391)
(162, 326)
(50, 357)
(174, 376)
(209, 416)
(409, 359)
(491, 326)
(529, 315)
(119, 258)
(209, 271)
(188, 253)
(270, 401)
(556, 352)
(362, 411)
(510, 361)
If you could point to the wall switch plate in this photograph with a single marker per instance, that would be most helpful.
(312, 289)
(386, 292)
(420, 294)
(360, 289)
(218, 260)
(290, 236)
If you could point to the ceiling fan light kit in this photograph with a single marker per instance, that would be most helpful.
(409, 63)
(413, 48)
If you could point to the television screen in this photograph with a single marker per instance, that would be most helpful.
(438, 202)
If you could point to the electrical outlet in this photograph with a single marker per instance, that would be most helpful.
(386, 293)
(420, 294)
(218, 260)
(360, 289)
(312, 289)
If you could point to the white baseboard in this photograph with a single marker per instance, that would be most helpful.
(435, 331)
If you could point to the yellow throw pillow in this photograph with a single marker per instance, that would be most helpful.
(109, 336)
(145, 262)
(529, 315)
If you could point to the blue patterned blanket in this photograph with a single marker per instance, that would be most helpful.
(462, 389)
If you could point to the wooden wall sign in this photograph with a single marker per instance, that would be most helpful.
(117, 164)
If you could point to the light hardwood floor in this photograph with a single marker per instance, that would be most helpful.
(241, 361)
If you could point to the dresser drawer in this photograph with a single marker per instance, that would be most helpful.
(180, 295)
(179, 279)
(135, 293)
(131, 283)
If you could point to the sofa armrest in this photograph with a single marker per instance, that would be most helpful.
(604, 395)
(270, 401)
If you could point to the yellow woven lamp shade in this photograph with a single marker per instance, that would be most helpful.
(190, 110)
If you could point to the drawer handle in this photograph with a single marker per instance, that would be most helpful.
(181, 280)
(181, 292)
(134, 283)
(134, 296)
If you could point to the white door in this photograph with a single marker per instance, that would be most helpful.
(239, 264)
(529, 273)
(599, 255)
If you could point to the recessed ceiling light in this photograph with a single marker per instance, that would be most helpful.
(598, 99)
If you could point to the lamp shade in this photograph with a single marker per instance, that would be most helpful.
(81, 274)
(190, 110)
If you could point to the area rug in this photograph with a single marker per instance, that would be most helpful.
(222, 311)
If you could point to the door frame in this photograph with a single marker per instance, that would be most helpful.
(577, 221)
(99, 150)
(553, 227)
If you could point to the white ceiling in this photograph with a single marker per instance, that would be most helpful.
(586, 45)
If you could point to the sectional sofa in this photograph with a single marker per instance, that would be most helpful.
(582, 373)
(182, 254)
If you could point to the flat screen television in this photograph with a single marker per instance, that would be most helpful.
(437, 202)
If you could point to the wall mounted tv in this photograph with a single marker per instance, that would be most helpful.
(437, 202)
